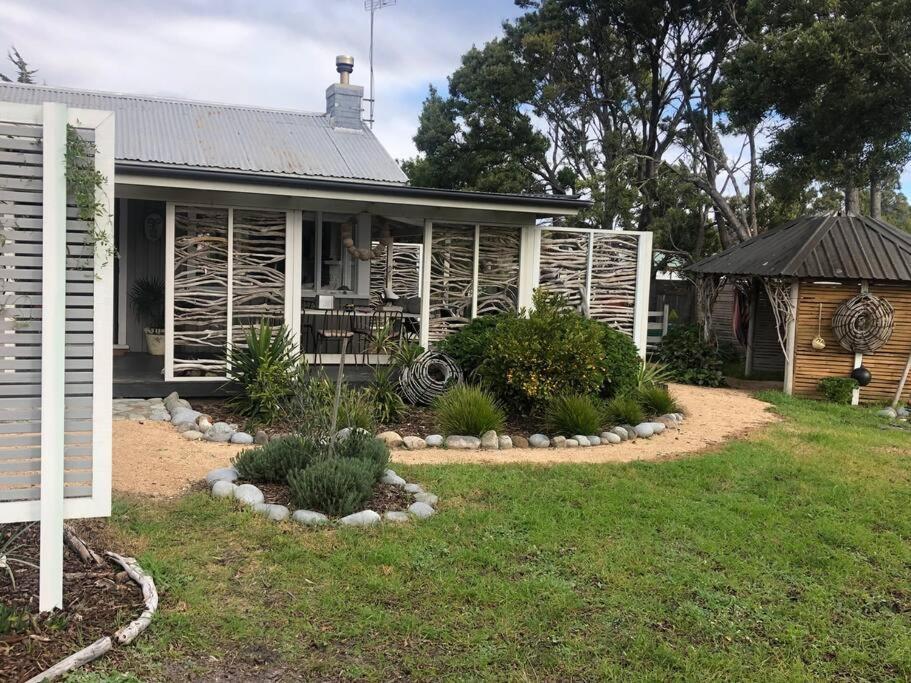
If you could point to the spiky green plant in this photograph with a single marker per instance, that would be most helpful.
(656, 401)
(652, 374)
(623, 409)
(571, 414)
(468, 410)
(262, 370)
(147, 301)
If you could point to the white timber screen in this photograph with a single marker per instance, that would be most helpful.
(56, 319)
(605, 274)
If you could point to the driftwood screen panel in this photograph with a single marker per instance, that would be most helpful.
(406, 271)
(603, 274)
(474, 270)
(227, 274)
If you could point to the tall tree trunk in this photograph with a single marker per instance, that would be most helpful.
(876, 198)
(754, 218)
(852, 198)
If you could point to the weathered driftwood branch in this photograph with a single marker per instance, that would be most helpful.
(74, 661)
(129, 632)
(123, 635)
(86, 554)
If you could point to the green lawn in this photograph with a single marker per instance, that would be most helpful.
(785, 556)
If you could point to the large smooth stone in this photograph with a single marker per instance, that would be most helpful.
(183, 416)
(631, 431)
(594, 440)
(414, 443)
(362, 518)
(396, 516)
(223, 488)
(414, 488)
(610, 437)
(644, 430)
(582, 440)
(421, 510)
(276, 513)
(489, 441)
(203, 423)
(657, 427)
(520, 442)
(504, 442)
(160, 416)
(241, 438)
(309, 517)
(425, 497)
(887, 412)
(221, 474)
(434, 440)
(391, 439)
(261, 438)
(192, 435)
(248, 494)
(621, 432)
(558, 442)
(463, 442)
(221, 432)
(571, 443)
(391, 478)
(538, 441)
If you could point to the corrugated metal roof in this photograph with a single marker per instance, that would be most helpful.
(230, 137)
(832, 247)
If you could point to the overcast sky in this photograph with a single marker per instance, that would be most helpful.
(273, 53)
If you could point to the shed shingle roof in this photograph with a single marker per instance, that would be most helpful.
(227, 137)
(832, 247)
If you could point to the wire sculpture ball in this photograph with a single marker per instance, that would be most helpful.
(863, 324)
(428, 377)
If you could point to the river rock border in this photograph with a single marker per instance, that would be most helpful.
(222, 483)
(491, 441)
(192, 424)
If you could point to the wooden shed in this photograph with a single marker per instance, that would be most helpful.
(839, 290)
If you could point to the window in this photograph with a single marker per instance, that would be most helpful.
(327, 264)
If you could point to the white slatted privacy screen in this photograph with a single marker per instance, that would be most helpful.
(55, 330)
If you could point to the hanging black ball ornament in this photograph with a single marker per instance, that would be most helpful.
(862, 376)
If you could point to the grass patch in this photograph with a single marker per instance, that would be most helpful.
(784, 556)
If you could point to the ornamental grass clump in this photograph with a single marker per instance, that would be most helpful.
(623, 409)
(469, 411)
(656, 401)
(271, 463)
(573, 414)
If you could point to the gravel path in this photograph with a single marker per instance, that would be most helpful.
(712, 417)
(151, 458)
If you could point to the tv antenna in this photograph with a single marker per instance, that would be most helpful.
(372, 6)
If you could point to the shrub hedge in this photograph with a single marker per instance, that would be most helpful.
(271, 462)
(335, 486)
(689, 358)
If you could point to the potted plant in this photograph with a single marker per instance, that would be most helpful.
(147, 301)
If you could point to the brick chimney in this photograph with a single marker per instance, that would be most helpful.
(343, 100)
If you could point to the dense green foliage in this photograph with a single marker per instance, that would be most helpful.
(363, 446)
(656, 401)
(551, 351)
(271, 462)
(147, 301)
(334, 486)
(689, 358)
(262, 371)
(623, 409)
(837, 389)
(468, 410)
(384, 393)
(569, 415)
(621, 361)
(357, 409)
(468, 345)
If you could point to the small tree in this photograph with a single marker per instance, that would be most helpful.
(23, 73)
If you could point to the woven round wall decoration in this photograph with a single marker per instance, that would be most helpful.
(428, 377)
(863, 324)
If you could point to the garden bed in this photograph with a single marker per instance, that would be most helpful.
(385, 497)
(97, 599)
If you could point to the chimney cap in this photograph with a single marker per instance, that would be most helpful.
(344, 64)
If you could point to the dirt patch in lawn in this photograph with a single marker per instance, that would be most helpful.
(97, 600)
(712, 417)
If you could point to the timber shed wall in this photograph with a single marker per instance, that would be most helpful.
(885, 365)
(768, 358)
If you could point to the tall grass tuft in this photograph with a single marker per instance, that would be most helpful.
(656, 401)
(572, 414)
(468, 410)
(623, 409)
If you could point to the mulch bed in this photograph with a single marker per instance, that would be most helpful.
(385, 497)
(96, 602)
(414, 420)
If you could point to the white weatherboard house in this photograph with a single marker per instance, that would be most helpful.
(241, 214)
